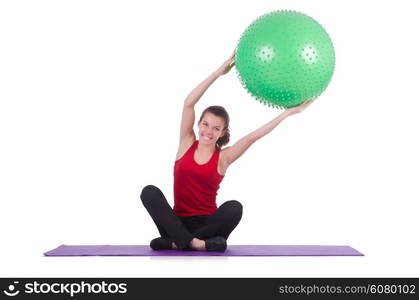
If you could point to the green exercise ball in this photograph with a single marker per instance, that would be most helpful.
(285, 58)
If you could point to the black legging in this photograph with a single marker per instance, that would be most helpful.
(181, 230)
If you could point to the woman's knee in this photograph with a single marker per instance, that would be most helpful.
(149, 193)
(234, 207)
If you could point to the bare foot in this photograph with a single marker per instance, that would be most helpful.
(197, 244)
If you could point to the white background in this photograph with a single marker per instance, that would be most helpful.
(91, 94)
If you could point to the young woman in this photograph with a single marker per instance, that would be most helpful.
(195, 222)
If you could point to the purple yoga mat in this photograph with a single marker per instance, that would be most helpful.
(233, 250)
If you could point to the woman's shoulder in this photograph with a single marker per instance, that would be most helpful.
(224, 150)
(222, 155)
(222, 162)
(184, 145)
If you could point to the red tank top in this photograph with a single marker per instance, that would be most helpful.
(196, 186)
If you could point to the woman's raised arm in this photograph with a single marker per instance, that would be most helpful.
(230, 154)
(187, 135)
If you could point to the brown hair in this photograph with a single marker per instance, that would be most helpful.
(219, 111)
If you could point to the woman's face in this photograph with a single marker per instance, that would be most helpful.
(211, 128)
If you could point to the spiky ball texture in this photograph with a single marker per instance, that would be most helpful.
(285, 58)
